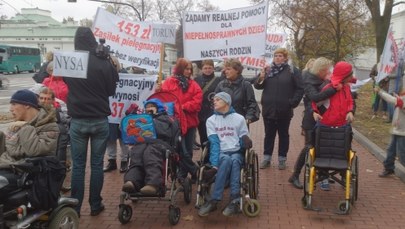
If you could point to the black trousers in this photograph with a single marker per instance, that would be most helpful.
(309, 142)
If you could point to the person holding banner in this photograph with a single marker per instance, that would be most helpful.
(397, 144)
(189, 94)
(88, 105)
(208, 82)
(240, 90)
(114, 135)
(282, 92)
(395, 85)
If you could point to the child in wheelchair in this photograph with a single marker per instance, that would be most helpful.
(338, 110)
(145, 172)
(228, 136)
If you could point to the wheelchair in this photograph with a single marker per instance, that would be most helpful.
(167, 192)
(169, 188)
(332, 158)
(249, 179)
(18, 206)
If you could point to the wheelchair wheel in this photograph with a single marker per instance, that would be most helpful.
(187, 190)
(124, 213)
(354, 183)
(252, 209)
(305, 198)
(65, 218)
(253, 174)
(174, 215)
(343, 208)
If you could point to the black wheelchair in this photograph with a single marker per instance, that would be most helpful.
(249, 189)
(332, 158)
(30, 196)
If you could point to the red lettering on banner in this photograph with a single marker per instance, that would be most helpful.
(388, 69)
(275, 38)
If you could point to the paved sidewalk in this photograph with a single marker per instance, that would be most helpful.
(380, 205)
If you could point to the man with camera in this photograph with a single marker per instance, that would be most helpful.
(88, 105)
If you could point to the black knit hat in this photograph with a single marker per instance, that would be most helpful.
(25, 97)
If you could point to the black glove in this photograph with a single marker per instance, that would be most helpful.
(247, 142)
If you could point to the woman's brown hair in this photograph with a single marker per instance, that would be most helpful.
(181, 65)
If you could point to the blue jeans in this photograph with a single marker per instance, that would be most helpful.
(396, 146)
(81, 131)
(229, 169)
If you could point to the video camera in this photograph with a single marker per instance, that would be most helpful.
(103, 51)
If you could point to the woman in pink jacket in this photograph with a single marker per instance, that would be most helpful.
(56, 83)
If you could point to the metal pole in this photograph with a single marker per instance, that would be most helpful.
(126, 4)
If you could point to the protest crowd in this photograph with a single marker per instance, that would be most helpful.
(216, 114)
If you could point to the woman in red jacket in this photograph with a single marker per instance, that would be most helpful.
(190, 95)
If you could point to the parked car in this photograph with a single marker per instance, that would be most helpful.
(135, 70)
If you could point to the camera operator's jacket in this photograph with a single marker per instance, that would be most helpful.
(38, 137)
(88, 98)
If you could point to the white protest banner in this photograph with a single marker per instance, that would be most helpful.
(359, 83)
(129, 41)
(225, 34)
(273, 42)
(389, 57)
(164, 33)
(130, 89)
(70, 64)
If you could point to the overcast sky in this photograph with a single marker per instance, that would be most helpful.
(83, 8)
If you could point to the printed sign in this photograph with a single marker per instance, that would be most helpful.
(225, 34)
(164, 33)
(70, 64)
(131, 42)
(389, 57)
(130, 89)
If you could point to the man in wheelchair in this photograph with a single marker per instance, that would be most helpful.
(146, 158)
(34, 133)
(228, 136)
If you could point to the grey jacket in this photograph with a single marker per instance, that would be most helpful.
(398, 119)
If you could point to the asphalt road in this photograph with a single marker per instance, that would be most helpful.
(17, 82)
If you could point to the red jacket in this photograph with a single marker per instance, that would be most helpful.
(337, 107)
(190, 100)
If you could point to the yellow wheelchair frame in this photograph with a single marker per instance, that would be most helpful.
(315, 173)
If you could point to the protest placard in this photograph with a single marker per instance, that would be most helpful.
(130, 89)
(70, 63)
(225, 34)
(131, 42)
(273, 41)
(389, 57)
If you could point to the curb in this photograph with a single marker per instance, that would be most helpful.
(378, 153)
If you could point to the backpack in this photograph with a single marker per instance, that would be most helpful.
(47, 182)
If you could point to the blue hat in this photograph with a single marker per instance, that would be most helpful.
(224, 96)
(25, 97)
(159, 105)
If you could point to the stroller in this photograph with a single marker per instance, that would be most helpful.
(169, 188)
(30, 196)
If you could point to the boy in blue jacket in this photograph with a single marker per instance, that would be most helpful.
(227, 133)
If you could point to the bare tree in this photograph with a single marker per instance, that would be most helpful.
(330, 28)
(381, 20)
